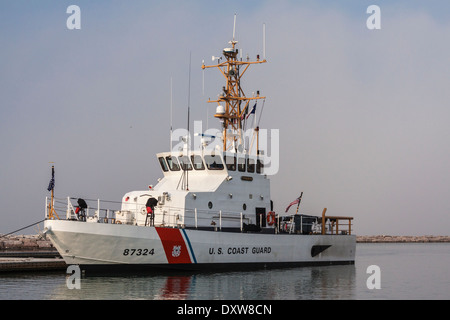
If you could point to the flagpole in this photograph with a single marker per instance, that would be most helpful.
(52, 201)
(299, 200)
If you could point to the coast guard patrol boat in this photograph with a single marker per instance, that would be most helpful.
(211, 210)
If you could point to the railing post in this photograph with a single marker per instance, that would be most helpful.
(195, 214)
(46, 207)
(301, 223)
(98, 210)
(323, 220)
(68, 211)
(241, 223)
(220, 220)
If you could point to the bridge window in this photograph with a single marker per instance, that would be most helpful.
(173, 164)
(185, 163)
(213, 162)
(250, 165)
(230, 161)
(163, 164)
(259, 166)
(198, 162)
(241, 164)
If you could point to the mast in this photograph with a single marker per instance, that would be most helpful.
(232, 103)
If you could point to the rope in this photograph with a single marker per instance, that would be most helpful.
(22, 228)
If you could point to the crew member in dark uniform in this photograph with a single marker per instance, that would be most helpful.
(81, 209)
(151, 203)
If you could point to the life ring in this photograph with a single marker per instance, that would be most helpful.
(271, 218)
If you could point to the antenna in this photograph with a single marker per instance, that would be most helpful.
(234, 26)
(171, 106)
(264, 41)
(203, 79)
(188, 133)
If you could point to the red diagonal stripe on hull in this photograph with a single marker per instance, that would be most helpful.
(174, 245)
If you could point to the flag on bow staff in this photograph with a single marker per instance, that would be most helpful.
(52, 213)
(296, 201)
(51, 184)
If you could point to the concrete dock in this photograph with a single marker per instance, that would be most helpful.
(31, 264)
(29, 253)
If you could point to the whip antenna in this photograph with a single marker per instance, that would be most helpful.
(264, 40)
(234, 26)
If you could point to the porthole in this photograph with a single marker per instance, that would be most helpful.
(244, 207)
(210, 205)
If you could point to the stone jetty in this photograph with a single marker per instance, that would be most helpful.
(401, 239)
(29, 253)
(25, 243)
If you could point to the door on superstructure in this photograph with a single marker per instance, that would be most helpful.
(261, 217)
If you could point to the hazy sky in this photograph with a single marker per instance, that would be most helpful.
(363, 114)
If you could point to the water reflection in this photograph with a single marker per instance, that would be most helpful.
(333, 282)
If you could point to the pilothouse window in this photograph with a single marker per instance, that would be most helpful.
(259, 166)
(163, 164)
(250, 165)
(230, 161)
(213, 162)
(173, 164)
(198, 162)
(241, 164)
(185, 163)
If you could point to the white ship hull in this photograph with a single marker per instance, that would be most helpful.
(113, 247)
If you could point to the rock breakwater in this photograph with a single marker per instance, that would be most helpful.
(25, 243)
(399, 239)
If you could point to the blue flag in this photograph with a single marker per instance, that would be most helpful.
(51, 184)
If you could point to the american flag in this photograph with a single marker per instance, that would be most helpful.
(292, 203)
(251, 112)
(247, 114)
(296, 201)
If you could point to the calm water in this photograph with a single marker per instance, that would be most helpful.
(408, 271)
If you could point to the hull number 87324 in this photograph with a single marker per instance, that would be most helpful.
(138, 252)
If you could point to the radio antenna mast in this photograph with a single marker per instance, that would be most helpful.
(232, 104)
(171, 107)
(234, 26)
(264, 40)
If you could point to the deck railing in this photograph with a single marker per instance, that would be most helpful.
(110, 211)
(102, 211)
(336, 224)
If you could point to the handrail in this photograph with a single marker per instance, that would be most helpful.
(171, 216)
(335, 222)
